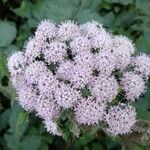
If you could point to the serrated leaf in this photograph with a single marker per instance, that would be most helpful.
(8, 33)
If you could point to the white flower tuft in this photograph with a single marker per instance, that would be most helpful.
(16, 63)
(91, 29)
(52, 127)
(54, 52)
(46, 30)
(65, 96)
(142, 64)
(27, 97)
(35, 71)
(82, 70)
(89, 111)
(133, 85)
(46, 108)
(105, 88)
(120, 119)
(104, 63)
(68, 30)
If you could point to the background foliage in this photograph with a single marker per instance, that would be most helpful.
(18, 20)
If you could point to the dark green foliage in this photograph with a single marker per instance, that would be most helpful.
(18, 20)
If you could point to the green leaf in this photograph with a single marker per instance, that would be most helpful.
(96, 146)
(143, 106)
(124, 2)
(4, 118)
(31, 142)
(92, 15)
(12, 143)
(57, 10)
(5, 53)
(24, 10)
(125, 19)
(17, 121)
(143, 45)
(8, 91)
(143, 6)
(8, 33)
(22, 118)
(109, 19)
(48, 138)
(43, 146)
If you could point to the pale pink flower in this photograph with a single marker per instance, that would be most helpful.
(91, 29)
(68, 30)
(16, 63)
(120, 119)
(102, 42)
(52, 127)
(105, 88)
(46, 108)
(27, 97)
(54, 52)
(47, 83)
(105, 63)
(65, 96)
(46, 30)
(89, 111)
(32, 49)
(133, 85)
(80, 44)
(35, 71)
(142, 64)
(122, 49)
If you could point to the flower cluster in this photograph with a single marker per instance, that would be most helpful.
(82, 68)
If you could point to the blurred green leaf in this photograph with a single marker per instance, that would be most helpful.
(47, 138)
(12, 143)
(96, 146)
(17, 123)
(31, 142)
(57, 10)
(4, 118)
(92, 15)
(143, 45)
(43, 146)
(124, 2)
(143, 6)
(24, 10)
(143, 106)
(8, 33)
(109, 19)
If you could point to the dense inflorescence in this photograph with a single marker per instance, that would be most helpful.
(83, 69)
